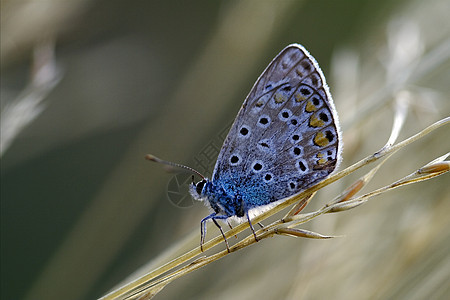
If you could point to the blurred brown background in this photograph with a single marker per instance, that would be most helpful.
(113, 80)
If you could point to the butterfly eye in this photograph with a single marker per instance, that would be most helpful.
(199, 186)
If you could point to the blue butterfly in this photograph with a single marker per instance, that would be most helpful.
(285, 139)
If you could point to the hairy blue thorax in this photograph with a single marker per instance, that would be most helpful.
(222, 201)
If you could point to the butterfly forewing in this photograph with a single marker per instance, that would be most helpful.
(285, 137)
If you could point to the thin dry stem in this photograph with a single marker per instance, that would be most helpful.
(148, 285)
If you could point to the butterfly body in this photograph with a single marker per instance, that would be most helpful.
(229, 199)
(284, 139)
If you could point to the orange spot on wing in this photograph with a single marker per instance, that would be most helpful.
(310, 107)
(321, 140)
(316, 122)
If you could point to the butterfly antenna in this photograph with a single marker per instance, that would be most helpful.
(172, 164)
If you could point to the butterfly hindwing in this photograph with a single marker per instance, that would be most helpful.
(285, 136)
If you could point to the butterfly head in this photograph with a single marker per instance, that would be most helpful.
(196, 189)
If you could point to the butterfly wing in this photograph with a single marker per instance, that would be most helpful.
(285, 137)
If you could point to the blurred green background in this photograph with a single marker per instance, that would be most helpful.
(113, 80)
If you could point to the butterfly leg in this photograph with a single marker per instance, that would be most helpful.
(231, 227)
(251, 226)
(213, 217)
(221, 231)
(203, 229)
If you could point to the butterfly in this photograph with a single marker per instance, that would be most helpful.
(285, 139)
